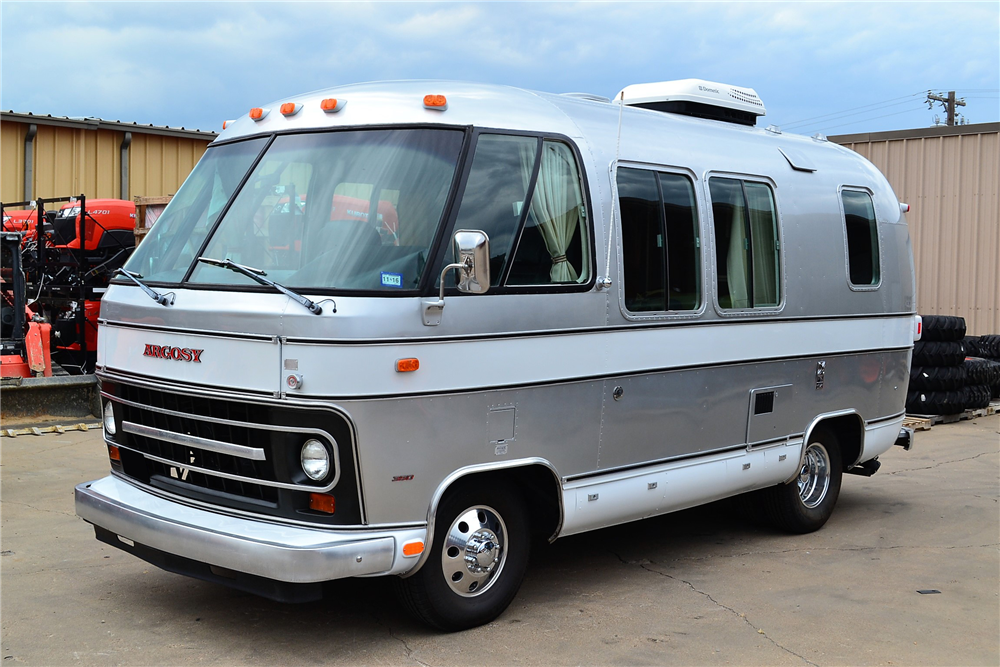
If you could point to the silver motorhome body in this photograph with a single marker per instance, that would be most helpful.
(624, 413)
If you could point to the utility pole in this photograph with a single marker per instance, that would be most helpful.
(949, 103)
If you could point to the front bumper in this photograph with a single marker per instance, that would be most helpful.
(279, 552)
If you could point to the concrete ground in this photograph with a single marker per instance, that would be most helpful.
(701, 587)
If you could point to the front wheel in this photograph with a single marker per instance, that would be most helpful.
(477, 561)
(805, 503)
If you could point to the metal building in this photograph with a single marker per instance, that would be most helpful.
(950, 177)
(52, 156)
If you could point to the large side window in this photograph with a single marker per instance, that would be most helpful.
(747, 253)
(862, 238)
(659, 241)
(554, 247)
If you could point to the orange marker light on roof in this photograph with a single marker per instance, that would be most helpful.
(227, 123)
(258, 113)
(290, 108)
(407, 365)
(332, 104)
(435, 102)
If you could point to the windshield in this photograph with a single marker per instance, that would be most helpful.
(347, 210)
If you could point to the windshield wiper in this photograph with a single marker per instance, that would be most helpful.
(162, 299)
(258, 275)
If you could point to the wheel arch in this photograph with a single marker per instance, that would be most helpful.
(849, 428)
(537, 478)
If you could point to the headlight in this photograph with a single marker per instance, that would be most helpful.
(315, 459)
(109, 419)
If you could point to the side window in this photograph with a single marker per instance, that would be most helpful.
(862, 238)
(495, 194)
(660, 256)
(554, 247)
(746, 244)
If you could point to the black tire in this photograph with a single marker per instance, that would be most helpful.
(977, 396)
(798, 506)
(938, 353)
(935, 402)
(972, 346)
(937, 378)
(503, 534)
(943, 327)
(981, 371)
(989, 346)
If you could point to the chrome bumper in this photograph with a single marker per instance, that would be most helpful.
(284, 553)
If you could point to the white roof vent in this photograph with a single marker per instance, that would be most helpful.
(695, 97)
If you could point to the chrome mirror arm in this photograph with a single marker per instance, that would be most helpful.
(433, 309)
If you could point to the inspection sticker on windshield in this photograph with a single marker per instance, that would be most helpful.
(392, 279)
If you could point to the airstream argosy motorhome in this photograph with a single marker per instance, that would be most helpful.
(404, 328)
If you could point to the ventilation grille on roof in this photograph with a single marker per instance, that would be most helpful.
(750, 97)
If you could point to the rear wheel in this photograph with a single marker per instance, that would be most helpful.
(806, 503)
(477, 561)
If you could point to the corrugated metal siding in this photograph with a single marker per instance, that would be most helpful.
(951, 183)
(158, 165)
(70, 161)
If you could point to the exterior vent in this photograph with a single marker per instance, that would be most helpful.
(590, 97)
(695, 97)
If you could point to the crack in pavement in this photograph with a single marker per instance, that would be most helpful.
(406, 646)
(938, 465)
(39, 509)
(742, 617)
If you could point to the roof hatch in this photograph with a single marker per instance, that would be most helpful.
(695, 97)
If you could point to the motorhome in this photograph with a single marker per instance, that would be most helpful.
(567, 312)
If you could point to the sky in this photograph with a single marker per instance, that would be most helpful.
(830, 67)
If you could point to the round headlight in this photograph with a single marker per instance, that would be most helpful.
(315, 459)
(109, 419)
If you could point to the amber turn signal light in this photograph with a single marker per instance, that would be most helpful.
(322, 502)
(407, 365)
(436, 102)
(114, 454)
(414, 548)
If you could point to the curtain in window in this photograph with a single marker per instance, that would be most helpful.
(765, 248)
(556, 205)
(736, 261)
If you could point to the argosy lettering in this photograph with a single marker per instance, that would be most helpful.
(175, 353)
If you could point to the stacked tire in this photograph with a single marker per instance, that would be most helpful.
(982, 370)
(938, 372)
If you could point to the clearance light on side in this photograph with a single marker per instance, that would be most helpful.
(290, 108)
(435, 102)
(407, 365)
(322, 502)
(905, 208)
(414, 548)
(332, 104)
(227, 123)
(259, 113)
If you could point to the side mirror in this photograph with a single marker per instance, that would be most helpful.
(472, 249)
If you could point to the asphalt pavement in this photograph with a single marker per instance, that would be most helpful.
(701, 587)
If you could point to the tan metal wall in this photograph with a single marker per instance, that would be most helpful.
(950, 177)
(72, 161)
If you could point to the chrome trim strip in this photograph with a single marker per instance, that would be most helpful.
(252, 453)
(280, 552)
(880, 420)
(236, 478)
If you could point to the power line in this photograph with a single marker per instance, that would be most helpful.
(882, 104)
(867, 119)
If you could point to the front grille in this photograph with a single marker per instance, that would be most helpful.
(230, 452)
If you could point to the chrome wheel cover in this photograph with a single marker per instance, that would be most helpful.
(814, 477)
(474, 551)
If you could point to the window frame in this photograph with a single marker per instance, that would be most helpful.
(847, 249)
(641, 316)
(758, 311)
(443, 245)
